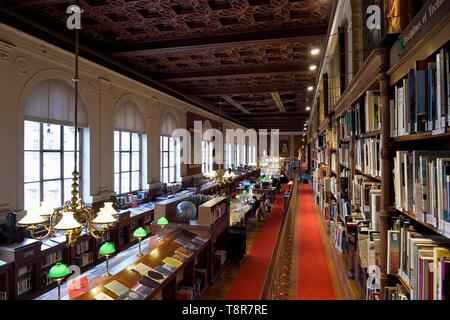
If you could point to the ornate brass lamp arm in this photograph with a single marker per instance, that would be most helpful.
(48, 228)
(95, 233)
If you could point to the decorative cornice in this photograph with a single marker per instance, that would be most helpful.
(6, 50)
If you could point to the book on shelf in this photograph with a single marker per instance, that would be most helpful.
(393, 256)
(337, 232)
(422, 186)
(421, 100)
(25, 277)
(368, 156)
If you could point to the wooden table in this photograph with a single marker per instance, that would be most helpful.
(121, 264)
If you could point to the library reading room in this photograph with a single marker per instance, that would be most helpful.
(192, 150)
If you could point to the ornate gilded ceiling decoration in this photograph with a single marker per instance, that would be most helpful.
(135, 21)
(224, 55)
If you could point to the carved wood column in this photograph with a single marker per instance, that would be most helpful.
(386, 160)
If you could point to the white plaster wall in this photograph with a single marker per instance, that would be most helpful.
(24, 62)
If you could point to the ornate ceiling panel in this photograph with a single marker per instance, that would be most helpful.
(135, 21)
(229, 58)
(232, 56)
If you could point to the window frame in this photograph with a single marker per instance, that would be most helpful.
(130, 151)
(175, 162)
(61, 151)
(207, 156)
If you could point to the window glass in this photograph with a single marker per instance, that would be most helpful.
(32, 166)
(48, 163)
(127, 162)
(52, 136)
(125, 142)
(32, 136)
(32, 195)
(52, 192)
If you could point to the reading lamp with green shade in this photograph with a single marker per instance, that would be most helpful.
(106, 250)
(140, 233)
(162, 222)
(58, 272)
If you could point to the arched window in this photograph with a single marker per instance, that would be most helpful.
(129, 129)
(207, 150)
(227, 154)
(170, 150)
(49, 143)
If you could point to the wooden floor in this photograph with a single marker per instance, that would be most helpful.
(219, 289)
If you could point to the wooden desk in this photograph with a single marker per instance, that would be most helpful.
(122, 263)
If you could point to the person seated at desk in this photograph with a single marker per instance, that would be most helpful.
(277, 184)
(256, 204)
(267, 206)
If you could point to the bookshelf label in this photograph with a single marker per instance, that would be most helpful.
(433, 11)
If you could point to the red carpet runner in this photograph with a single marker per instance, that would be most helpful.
(313, 278)
(250, 280)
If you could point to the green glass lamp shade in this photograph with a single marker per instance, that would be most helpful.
(140, 233)
(58, 271)
(107, 248)
(238, 196)
(162, 221)
(244, 192)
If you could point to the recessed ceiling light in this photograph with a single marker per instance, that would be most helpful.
(312, 67)
(310, 88)
(315, 51)
(308, 108)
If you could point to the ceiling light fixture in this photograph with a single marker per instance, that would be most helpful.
(74, 216)
(315, 51)
(312, 67)
(308, 108)
(310, 88)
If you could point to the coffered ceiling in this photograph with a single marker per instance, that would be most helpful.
(247, 60)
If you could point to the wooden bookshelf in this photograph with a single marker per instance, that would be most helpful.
(6, 276)
(403, 283)
(369, 176)
(26, 275)
(422, 137)
(430, 227)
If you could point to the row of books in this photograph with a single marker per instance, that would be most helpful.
(367, 113)
(421, 100)
(421, 260)
(337, 235)
(368, 158)
(331, 138)
(422, 186)
(366, 198)
(333, 162)
(344, 155)
(52, 258)
(84, 259)
(363, 117)
(25, 279)
(81, 246)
